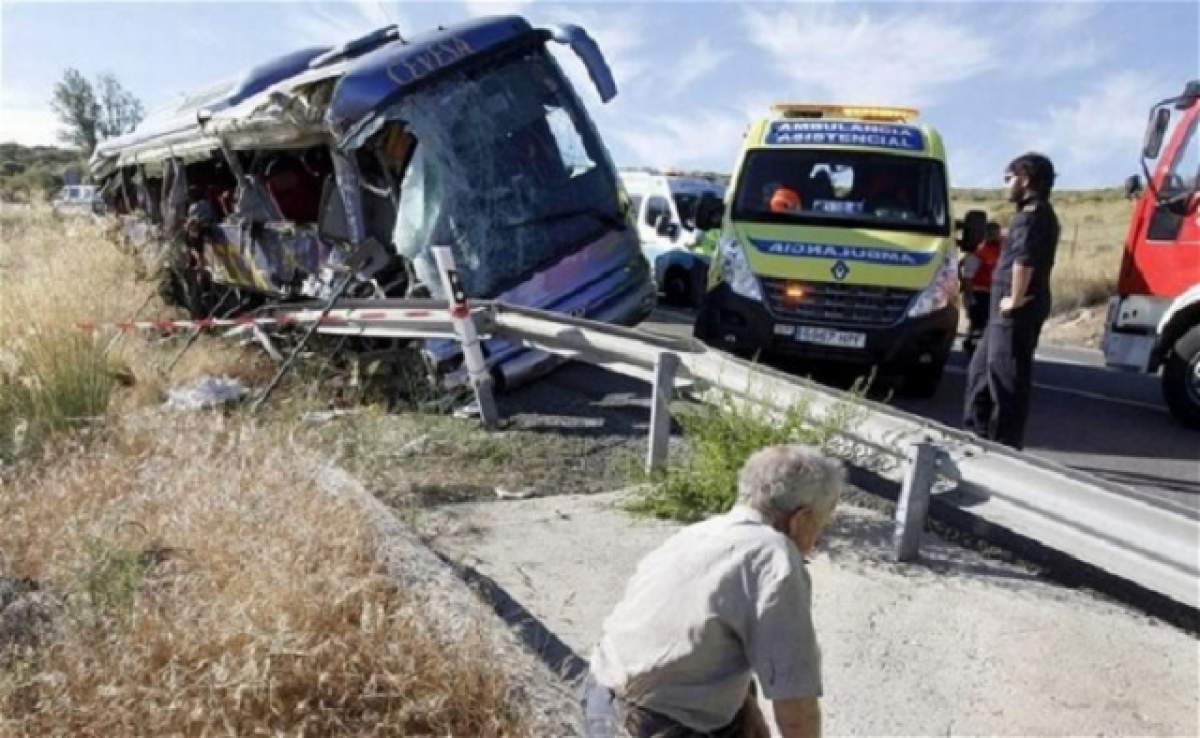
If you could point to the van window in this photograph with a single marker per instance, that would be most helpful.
(656, 207)
(848, 188)
(635, 205)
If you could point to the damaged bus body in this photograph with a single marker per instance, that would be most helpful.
(333, 171)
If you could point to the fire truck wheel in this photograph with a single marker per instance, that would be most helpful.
(1181, 379)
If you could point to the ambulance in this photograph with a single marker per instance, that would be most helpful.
(664, 207)
(837, 245)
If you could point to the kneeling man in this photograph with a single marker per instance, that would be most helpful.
(718, 602)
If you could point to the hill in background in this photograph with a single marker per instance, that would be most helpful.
(28, 170)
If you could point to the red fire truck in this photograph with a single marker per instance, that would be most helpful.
(1154, 321)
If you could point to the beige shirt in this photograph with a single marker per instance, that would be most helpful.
(716, 602)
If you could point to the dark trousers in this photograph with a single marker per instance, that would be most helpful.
(1000, 378)
(605, 715)
(978, 308)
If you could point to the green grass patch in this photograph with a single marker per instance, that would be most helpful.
(53, 381)
(720, 437)
(113, 576)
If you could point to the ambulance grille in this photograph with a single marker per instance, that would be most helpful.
(838, 304)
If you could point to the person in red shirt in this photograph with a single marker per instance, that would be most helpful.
(977, 274)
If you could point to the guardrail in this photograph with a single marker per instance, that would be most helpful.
(1154, 544)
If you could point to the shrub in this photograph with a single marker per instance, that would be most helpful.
(56, 379)
(720, 437)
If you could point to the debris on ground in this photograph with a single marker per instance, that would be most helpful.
(207, 392)
(25, 614)
(524, 493)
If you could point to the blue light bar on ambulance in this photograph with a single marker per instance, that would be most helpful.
(851, 112)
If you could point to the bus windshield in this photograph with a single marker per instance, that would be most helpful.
(505, 168)
(843, 188)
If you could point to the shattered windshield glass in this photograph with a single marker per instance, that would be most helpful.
(506, 170)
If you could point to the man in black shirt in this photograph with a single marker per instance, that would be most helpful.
(1000, 374)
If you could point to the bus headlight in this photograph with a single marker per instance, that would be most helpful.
(735, 270)
(940, 291)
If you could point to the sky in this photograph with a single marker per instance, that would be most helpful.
(1074, 80)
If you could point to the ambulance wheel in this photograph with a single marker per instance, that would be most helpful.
(922, 380)
(1181, 379)
(677, 288)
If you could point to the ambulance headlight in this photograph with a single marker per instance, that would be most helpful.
(940, 291)
(735, 270)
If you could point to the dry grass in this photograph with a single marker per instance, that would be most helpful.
(206, 585)
(191, 577)
(1089, 249)
(54, 275)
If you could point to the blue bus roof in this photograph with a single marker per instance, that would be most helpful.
(382, 74)
(264, 75)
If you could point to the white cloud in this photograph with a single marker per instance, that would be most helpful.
(331, 24)
(27, 119)
(974, 166)
(1055, 18)
(1048, 60)
(1053, 39)
(1095, 133)
(618, 31)
(703, 139)
(29, 126)
(693, 65)
(497, 7)
(869, 57)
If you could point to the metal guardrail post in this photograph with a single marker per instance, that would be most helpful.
(913, 506)
(660, 410)
(460, 312)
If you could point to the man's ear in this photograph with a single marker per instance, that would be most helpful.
(799, 520)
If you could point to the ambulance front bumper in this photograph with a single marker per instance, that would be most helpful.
(745, 327)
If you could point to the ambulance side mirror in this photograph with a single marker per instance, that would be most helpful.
(974, 229)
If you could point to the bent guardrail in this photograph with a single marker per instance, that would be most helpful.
(1153, 544)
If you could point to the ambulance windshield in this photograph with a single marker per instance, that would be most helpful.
(843, 188)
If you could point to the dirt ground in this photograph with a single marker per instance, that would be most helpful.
(1079, 328)
(1083, 327)
(955, 645)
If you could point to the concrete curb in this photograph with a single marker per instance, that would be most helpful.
(459, 610)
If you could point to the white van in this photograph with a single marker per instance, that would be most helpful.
(77, 200)
(664, 207)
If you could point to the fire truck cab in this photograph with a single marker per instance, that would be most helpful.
(1154, 321)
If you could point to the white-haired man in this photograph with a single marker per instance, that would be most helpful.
(718, 602)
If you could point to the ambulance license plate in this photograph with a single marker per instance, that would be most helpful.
(830, 337)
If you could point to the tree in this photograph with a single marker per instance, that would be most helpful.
(90, 113)
(75, 104)
(120, 111)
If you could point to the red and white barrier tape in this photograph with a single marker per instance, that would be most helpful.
(281, 319)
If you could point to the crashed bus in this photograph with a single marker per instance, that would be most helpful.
(333, 171)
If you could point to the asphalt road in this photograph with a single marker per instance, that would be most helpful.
(1083, 415)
